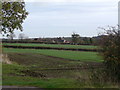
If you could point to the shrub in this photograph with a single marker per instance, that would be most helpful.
(110, 44)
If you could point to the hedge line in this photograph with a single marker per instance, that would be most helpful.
(31, 47)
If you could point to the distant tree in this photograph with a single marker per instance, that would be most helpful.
(75, 38)
(91, 41)
(86, 40)
(21, 36)
(13, 14)
(110, 44)
(11, 36)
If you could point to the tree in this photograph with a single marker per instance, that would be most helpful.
(75, 38)
(11, 36)
(86, 40)
(110, 44)
(91, 41)
(13, 15)
(21, 36)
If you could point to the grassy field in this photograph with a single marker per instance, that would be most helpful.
(13, 75)
(32, 69)
(54, 45)
(27, 68)
(51, 68)
(72, 55)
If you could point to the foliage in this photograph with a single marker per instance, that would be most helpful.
(87, 40)
(13, 15)
(100, 78)
(75, 38)
(11, 36)
(54, 45)
(22, 36)
(110, 43)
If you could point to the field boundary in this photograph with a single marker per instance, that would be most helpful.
(54, 48)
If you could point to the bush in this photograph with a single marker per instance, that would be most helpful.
(110, 44)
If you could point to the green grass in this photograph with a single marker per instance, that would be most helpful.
(31, 61)
(12, 76)
(54, 45)
(41, 61)
(72, 55)
(42, 64)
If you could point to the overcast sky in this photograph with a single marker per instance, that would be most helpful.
(54, 18)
